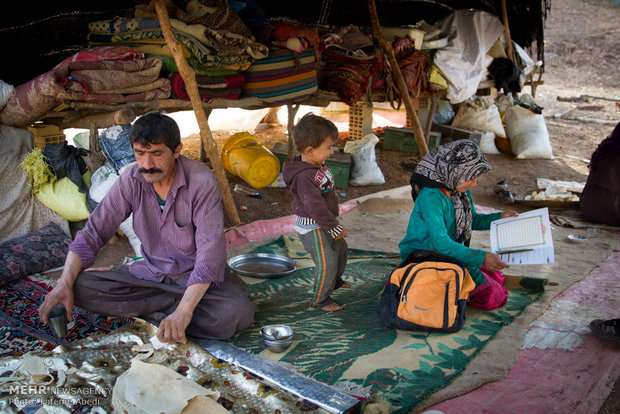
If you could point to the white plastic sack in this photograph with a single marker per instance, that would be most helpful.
(127, 228)
(480, 114)
(528, 134)
(487, 143)
(364, 170)
(102, 180)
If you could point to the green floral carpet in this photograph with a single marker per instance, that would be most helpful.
(352, 346)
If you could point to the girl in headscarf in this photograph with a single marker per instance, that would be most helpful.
(444, 216)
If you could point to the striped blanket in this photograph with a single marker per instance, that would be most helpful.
(284, 76)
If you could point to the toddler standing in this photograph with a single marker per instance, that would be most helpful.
(316, 205)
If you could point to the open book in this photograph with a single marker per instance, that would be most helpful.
(525, 239)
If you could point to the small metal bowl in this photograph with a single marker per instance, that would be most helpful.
(277, 338)
(577, 238)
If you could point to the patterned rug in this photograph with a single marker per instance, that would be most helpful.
(351, 349)
(22, 331)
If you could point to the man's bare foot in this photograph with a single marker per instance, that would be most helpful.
(332, 307)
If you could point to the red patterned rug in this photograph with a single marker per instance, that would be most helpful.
(22, 331)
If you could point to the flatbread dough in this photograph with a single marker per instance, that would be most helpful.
(154, 389)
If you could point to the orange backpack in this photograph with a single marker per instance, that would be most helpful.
(427, 292)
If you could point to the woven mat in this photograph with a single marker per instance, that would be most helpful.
(21, 330)
(352, 350)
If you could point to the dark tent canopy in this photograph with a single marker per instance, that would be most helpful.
(38, 35)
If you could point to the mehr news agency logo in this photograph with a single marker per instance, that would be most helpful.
(26, 395)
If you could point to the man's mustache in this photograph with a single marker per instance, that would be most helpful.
(150, 170)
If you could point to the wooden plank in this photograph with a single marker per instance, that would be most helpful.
(189, 77)
(402, 87)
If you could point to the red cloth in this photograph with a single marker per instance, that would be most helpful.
(209, 87)
(104, 53)
(492, 294)
(282, 31)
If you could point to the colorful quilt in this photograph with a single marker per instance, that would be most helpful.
(104, 81)
(211, 47)
(351, 349)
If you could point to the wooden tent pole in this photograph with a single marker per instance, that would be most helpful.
(292, 111)
(418, 133)
(189, 77)
(96, 157)
(203, 153)
(507, 31)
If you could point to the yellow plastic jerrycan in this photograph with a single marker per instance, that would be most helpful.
(244, 156)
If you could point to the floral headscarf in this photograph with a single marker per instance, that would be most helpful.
(446, 167)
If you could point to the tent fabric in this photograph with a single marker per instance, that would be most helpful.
(471, 34)
(20, 212)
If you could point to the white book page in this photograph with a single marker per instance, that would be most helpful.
(520, 233)
(521, 238)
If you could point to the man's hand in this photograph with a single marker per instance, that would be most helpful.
(342, 234)
(172, 328)
(493, 262)
(62, 293)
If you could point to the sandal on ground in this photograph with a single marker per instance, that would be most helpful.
(606, 329)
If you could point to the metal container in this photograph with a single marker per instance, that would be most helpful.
(277, 338)
(58, 320)
(262, 265)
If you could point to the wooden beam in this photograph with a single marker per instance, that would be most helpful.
(189, 77)
(292, 111)
(507, 31)
(96, 157)
(203, 150)
(402, 87)
(103, 120)
(429, 118)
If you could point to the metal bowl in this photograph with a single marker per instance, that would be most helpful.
(262, 265)
(277, 338)
(577, 238)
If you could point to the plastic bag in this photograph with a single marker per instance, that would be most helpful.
(365, 170)
(63, 197)
(444, 113)
(115, 145)
(66, 160)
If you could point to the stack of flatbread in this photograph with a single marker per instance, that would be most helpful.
(155, 389)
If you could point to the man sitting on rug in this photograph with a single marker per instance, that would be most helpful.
(178, 217)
